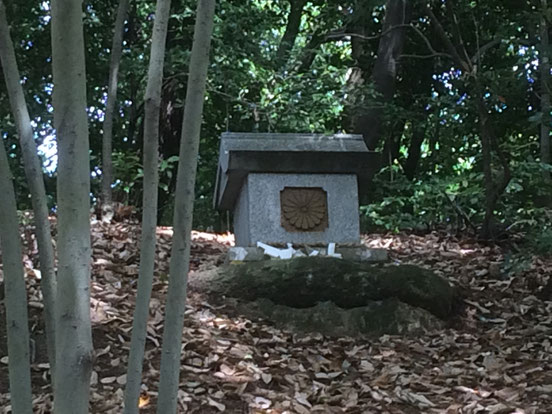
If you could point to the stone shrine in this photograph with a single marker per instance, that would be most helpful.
(293, 188)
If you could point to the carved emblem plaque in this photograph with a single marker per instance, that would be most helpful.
(304, 209)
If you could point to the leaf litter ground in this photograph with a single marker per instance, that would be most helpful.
(496, 358)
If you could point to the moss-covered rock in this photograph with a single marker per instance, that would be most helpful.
(306, 282)
(389, 316)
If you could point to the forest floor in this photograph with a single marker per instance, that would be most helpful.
(496, 358)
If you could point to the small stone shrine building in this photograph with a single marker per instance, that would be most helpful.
(293, 188)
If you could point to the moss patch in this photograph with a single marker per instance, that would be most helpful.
(336, 297)
(305, 282)
(390, 316)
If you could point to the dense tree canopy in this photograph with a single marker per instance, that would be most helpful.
(126, 102)
(449, 92)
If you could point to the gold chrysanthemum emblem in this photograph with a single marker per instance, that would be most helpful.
(304, 209)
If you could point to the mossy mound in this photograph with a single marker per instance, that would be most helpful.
(389, 316)
(303, 282)
(315, 293)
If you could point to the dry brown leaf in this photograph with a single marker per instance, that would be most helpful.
(219, 406)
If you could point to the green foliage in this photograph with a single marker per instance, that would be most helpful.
(128, 170)
(542, 242)
(129, 173)
(25, 218)
(400, 204)
(433, 109)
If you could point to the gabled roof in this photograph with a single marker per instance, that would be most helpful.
(244, 153)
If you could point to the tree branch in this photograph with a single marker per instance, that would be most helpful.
(460, 212)
(456, 32)
(430, 56)
(317, 39)
(428, 43)
(483, 49)
(292, 30)
(339, 34)
(446, 40)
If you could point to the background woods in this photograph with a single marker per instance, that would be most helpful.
(125, 102)
(452, 93)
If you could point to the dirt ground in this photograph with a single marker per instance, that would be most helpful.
(496, 359)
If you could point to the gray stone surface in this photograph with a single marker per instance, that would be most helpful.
(242, 217)
(257, 215)
(362, 254)
(374, 319)
(244, 153)
(246, 254)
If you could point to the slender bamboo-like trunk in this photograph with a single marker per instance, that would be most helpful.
(414, 150)
(107, 139)
(494, 188)
(15, 295)
(33, 171)
(183, 209)
(149, 214)
(486, 151)
(545, 92)
(73, 327)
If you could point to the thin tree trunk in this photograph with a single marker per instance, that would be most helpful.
(73, 327)
(33, 171)
(132, 118)
(493, 188)
(308, 54)
(183, 209)
(545, 92)
(369, 122)
(486, 150)
(15, 294)
(149, 206)
(414, 150)
(392, 146)
(292, 30)
(107, 141)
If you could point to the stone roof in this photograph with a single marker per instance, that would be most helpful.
(244, 153)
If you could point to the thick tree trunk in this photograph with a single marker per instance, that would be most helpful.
(15, 295)
(183, 209)
(545, 92)
(369, 122)
(107, 141)
(149, 206)
(73, 327)
(292, 30)
(33, 172)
